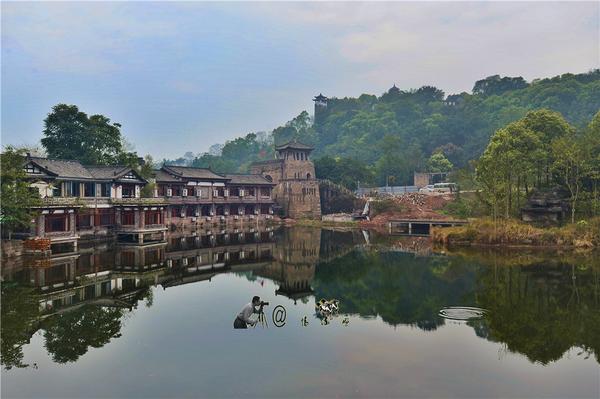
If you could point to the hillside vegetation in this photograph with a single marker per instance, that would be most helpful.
(377, 139)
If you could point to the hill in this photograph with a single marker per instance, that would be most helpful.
(376, 139)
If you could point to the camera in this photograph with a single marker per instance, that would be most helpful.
(262, 303)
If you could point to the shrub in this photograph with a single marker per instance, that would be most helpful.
(385, 206)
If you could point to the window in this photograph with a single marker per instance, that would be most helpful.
(265, 191)
(128, 191)
(153, 255)
(105, 217)
(153, 217)
(128, 218)
(89, 189)
(176, 191)
(55, 223)
(129, 175)
(84, 219)
(190, 211)
(105, 189)
(57, 189)
(72, 189)
(175, 212)
(251, 191)
(234, 191)
(128, 258)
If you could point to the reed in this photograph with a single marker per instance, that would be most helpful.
(583, 234)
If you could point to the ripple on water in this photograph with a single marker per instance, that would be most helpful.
(462, 313)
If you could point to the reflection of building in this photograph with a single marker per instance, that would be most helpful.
(295, 260)
(115, 276)
(296, 190)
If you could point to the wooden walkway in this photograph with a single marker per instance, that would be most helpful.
(421, 227)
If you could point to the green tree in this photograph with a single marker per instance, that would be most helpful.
(70, 335)
(146, 170)
(439, 163)
(300, 128)
(18, 198)
(20, 310)
(570, 165)
(347, 172)
(549, 126)
(507, 161)
(94, 140)
(591, 147)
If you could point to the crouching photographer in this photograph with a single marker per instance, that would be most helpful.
(243, 318)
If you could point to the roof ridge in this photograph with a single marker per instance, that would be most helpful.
(188, 167)
(56, 159)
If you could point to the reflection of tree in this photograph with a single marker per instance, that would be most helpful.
(542, 310)
(69, 335)
(538, 307)
(398, 287)
(19, 312)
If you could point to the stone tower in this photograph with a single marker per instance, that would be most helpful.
(297, 190)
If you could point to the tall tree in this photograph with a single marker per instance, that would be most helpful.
(71, 134)
(507, 161)
(571, 165)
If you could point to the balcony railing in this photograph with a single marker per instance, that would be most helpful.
(139, 201)
(63, 201)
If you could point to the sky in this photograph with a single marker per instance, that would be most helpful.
(181, 76)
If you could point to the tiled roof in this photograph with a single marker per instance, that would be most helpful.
(192, 173)
(295, 145)
(112, 172)
(164, 177)
(248, 179)
(62, 168)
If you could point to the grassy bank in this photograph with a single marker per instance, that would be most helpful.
(584, 234)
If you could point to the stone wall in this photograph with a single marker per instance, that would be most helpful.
(421, 179)
(271, 169)
(301, 199)
(295, 169)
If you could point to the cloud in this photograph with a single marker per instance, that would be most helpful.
(77, 37)
(452, 44)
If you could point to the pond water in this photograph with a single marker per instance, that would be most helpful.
(156, 321)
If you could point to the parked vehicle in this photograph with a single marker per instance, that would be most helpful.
(427, 189)
(445, 188)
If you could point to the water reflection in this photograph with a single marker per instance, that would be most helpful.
(539, 306)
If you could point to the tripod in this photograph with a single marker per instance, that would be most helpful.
(262, 319)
